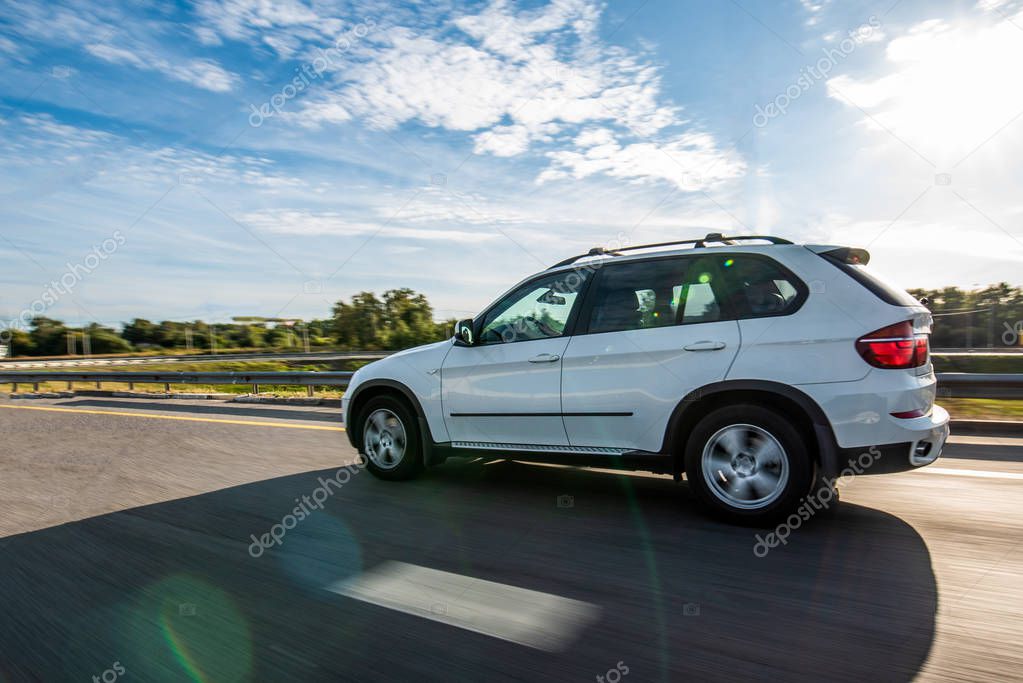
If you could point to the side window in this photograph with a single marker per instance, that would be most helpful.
(645, 294)
(759, 286)
(537, 310)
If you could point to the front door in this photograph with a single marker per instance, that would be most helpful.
(505, 390)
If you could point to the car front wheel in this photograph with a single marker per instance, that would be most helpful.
(748, 464)
(390, 439)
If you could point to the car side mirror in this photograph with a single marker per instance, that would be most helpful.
(463, 333)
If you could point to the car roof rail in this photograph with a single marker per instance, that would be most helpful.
(713, 237)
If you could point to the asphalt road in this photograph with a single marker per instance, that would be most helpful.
(125, 546)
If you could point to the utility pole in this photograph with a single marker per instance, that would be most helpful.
(86, 344)
(305, 335)
(70, 343)
(213, 338)
(991, 326)
(188, 339)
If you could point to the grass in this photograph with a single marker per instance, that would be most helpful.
(984, 408)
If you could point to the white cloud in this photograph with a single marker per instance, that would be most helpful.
(505, 141)
(8, 46)
(691, 161)
(814, 8)
(108, 33)
(516, 81)
(282, 25)
(37, 144)
(202, 73)
(305, 223)
(992, 5)
(44, 128)
(946, 87)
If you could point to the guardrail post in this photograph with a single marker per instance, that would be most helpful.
(309, 391)
(99, 384)
(131, 386)
(35, 387)
(70, 385)
(166, 387)
(14, 387)
(255, 388)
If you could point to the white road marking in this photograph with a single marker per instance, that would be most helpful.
(972, 473)
(538, 620)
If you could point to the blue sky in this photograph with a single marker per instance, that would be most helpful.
(238, 157)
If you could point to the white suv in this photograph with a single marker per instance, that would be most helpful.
(758, 370)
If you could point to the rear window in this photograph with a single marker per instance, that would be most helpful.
(760, 287)
(885, 291)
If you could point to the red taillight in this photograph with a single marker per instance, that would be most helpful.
(910, 414)
(894, 347)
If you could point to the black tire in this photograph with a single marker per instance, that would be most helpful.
(399, 425)
(754, 487)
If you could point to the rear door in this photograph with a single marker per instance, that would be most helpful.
(649, 332)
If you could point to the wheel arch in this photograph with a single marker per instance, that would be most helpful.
(810, 417)
(380, 387)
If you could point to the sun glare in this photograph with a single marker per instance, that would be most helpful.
(951, 86)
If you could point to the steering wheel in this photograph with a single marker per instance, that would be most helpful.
(544, 328)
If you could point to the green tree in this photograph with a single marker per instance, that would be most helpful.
(140, 331)
(48, 337)
(402, 318)
(105, 340)
(408, 320)
(357, 325)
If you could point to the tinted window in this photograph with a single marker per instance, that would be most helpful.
(758, 286)
(537, 310)
(646, 294)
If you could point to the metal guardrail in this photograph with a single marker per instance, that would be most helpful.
(314, 356)
(950, 384)
(255, 379)
(979, 385)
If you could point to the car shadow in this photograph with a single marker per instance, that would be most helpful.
(214, 408)
(183, 590)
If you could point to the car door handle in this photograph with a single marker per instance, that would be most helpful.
(705, 346)
(545, 358)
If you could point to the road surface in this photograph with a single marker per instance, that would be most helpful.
(126, 540)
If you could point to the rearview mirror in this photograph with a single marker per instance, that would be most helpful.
(549, 297)
(463, 333)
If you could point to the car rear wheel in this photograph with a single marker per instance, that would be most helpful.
(390, 439)
(748, 464)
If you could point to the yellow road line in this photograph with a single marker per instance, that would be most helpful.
(251, 423)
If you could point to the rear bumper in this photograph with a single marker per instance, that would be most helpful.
(925, 438)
